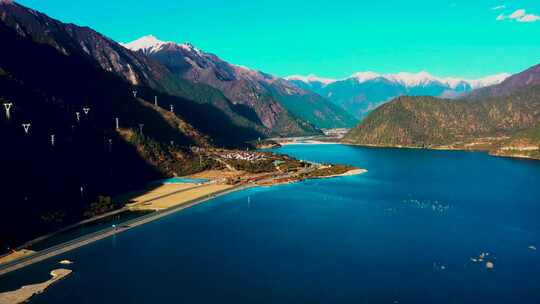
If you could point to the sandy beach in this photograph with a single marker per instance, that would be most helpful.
(172, 195)
(26, 292)
(350, 173)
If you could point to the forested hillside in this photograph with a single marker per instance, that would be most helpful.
(432, 122)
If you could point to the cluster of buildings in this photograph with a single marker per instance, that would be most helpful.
(243, 155)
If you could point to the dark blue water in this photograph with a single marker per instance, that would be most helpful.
(403, 233)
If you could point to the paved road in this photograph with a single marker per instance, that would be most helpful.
(102, 234)
(93, 237)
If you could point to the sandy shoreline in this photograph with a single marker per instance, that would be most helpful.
(26, 292)
(171, 195)
(164, 200)
(350, 173)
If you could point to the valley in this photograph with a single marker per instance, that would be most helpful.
(160, 171)
(90, 119)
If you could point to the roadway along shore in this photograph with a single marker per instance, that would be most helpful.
(168, 203)
(105, 233)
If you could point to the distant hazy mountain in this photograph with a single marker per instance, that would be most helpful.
(280, 106)
(363, 92)
(480, 123)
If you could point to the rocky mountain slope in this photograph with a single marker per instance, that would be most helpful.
(527, 78)
(481, 123)
(280, 106)
(363, 92)
(61, 145)
(134, 68)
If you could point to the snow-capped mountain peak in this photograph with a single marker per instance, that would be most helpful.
(150, 44)
(144, 43)
(489, 80)
(310, 78)
(410, 80)
(189, 47)
(365, 76)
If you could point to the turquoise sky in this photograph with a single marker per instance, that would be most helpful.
(327, 38)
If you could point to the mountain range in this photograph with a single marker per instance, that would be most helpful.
(85, 112)
(88, 117)
(65, 87)
(363, 92)
(274, 102)
(502, 118)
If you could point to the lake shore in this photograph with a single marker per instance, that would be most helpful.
(472, 147)
(173, 197)
(348, 173)
(26, 292)
(105, 233)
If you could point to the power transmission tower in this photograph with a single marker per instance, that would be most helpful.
(8, 106)
(141, 128)
(26, 127)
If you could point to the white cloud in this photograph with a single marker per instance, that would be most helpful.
(498, 7)
(529, 18)
(519, 15)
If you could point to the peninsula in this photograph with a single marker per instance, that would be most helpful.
(26, 292)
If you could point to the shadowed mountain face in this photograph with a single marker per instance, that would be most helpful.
(429, 122)
(280, 106)
(134, 68)
(363, 92)
(72, 152)
(70, 39)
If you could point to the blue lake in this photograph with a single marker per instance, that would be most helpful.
(405, 232)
